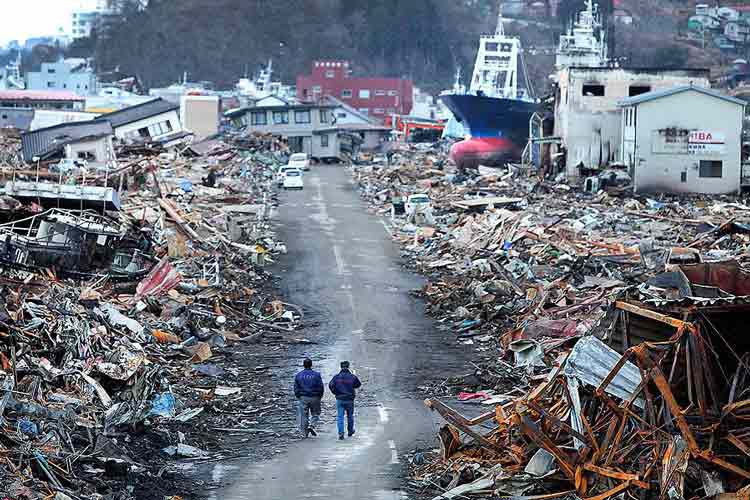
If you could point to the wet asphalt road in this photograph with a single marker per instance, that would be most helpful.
(344, 269)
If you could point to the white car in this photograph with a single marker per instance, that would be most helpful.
(300, 161)
(293, 179)
(280, 174)
(417, 203)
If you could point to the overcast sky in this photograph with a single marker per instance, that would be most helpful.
(23, 19)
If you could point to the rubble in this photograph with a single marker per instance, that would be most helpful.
(607, 326)
(118, 322)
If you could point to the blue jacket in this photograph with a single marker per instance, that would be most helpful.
(343, 385)
(308, 383)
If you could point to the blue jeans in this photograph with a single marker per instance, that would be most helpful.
(348, 407)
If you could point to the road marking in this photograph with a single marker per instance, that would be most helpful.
(383, 413)
(394, 451)
(339, 261)
(387, 229)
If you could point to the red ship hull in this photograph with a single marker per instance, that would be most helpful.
(487, 151)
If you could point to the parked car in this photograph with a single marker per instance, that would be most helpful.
(280, 174)
(68, 165)
(293, 179)
(300, 161)
(417, 203)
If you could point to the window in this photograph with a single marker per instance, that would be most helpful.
(65, 85)
(302, 116)
(317, 89)
(86, 155)
(683, 176)
(340, 115)
(280, 117)
(346, 94)
(143, 132)
(710, 168)
(635, 90)
(380, 93)
(330, 74)
(378, 111)
(50, 85)
(364, 94)
(51, 70)
(323, 116)
(324, 141)
(258, 118)
(593, 90)
(364, 111)
(392, 93)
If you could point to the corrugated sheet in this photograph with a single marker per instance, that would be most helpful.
(591, 360)
(41, 141)
(139, 112)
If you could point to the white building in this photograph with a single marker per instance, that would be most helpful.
(685, 139)
(85, 17)
(587, 116)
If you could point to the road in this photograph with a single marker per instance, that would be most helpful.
(344, 268)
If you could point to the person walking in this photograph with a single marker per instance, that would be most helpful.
(344, 386)
(308, 389)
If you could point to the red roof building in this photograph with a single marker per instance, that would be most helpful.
(41, 99)
(376, 97)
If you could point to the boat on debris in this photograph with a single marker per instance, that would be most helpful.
(495, 112)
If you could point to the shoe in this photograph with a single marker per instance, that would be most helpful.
(307, 432)
(351, 433)
(312, 432)
(341, 437)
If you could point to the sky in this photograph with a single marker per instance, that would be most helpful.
(22, 19)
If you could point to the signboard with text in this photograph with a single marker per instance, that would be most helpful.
(706, 143)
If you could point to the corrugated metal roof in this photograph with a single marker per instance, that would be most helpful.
(658, 94)
(40, 95)
(139, 112)
(40, 142)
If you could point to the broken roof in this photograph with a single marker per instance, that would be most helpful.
(658, 94)
(138, 112)
(44, 140)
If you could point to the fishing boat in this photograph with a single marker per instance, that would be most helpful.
(495, 111)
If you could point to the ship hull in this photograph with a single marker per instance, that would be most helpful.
(498, 129)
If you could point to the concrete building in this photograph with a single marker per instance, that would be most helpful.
(201, 114)
(587, 117)
(153, 121)
(42, 99)
(84, 18)
(69, 74)
(376, 97)
(685, 139)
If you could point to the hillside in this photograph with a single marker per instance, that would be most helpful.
(220, 40)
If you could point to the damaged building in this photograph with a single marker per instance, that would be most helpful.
(587, 116)
(684, 139)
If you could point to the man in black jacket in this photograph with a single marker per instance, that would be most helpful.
(343, 386)
(308, 389)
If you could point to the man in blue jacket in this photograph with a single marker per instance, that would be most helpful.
(308, 389)
(343, 387)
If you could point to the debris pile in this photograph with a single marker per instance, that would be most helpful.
(617, 320)
(118, 321)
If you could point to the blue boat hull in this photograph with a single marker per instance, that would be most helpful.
(499, 128)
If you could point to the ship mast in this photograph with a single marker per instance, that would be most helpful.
(496, 65)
